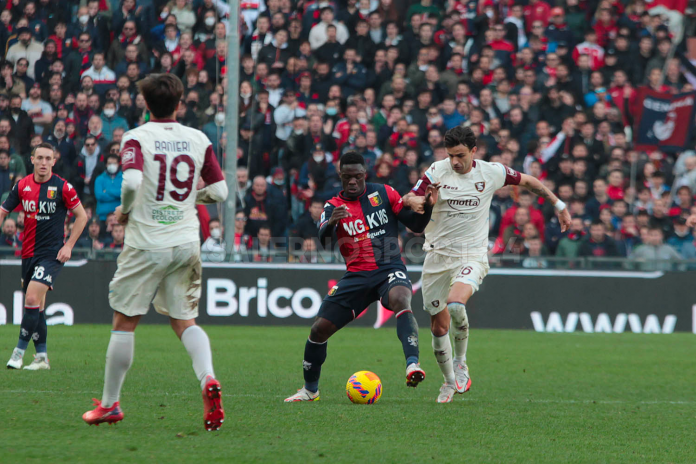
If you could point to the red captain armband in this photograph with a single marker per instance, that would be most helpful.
(131, 156)
(421, 185)
(512, 177)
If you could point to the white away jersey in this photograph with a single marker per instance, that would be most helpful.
(459, 224)
(172, 157)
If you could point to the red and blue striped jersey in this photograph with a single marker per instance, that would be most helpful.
(45, 206)
(368, 239)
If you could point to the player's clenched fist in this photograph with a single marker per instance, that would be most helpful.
(341, 212)
(417, 203)
(431, 193)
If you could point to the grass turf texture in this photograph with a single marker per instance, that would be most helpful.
(534, 398)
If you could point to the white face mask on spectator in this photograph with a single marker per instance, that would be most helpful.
(245, 94)
(216, 233)
(318, 158)
(362, 120)
(164, 15)
(298, 131)
(209, 21)
(83, 19)
(112, 168)
(109, 112)
(220, 119)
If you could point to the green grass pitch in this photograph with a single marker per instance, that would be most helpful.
(534, 398)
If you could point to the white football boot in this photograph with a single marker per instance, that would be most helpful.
(414, 375)
(15, 361)
(447, 392)
(303, 395)
(462, 380)
(40, 362)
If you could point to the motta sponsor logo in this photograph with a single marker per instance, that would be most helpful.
(57, 313)
(464, 203)
(225, 298)
(604, 323)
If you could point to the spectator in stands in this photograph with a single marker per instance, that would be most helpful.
(682, 240)
(265, 205)
(263, 249)
(569, 246)
(27, 48)
(110, 120)
(318, 34)
(118, 234)
(213, 249)
(21, 124)
(107, 187)
(598, 244)
(92, 240)
(10, 236)
(7, 179)
(654, 254)
(308, 223)
(38, 110)
(88, 166)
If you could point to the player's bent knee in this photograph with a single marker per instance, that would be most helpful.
(438, 329)
(321, 331)
(180, 325)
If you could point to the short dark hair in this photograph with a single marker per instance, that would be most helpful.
(351, 157)
(43, 145)
(460, 136)
(162, 93)
(597, 222)
(113, 156)
(316, 200)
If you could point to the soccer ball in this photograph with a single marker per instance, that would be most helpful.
(364, 387)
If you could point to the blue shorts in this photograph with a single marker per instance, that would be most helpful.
(358, 290)
(44, 270)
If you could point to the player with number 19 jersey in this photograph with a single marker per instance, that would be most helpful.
(171, 157)
(161, 256)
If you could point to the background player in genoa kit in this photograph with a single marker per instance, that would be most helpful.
(456, 242)
(45, 199)
(364, 217)
(162, 163)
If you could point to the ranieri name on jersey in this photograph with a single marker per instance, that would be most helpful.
(181, 146)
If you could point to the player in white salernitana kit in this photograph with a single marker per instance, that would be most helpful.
(160, 263)
(456, 241)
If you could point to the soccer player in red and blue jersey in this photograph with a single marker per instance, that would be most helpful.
(45, 199)
(364, 218)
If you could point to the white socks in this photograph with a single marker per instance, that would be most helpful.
(460, 329)
(198, 346)
(119, 357)
(443, 353)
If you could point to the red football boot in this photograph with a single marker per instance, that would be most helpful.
(101, 414)
(213, 414)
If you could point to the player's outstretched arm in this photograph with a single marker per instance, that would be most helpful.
(80, 223)
(3, 215)
(534, 185)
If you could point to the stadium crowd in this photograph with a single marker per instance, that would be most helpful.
(549, 90)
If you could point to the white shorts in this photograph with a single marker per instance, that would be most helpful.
(440, 272)
(172, 274)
